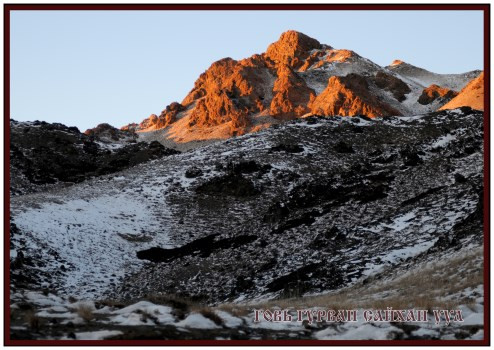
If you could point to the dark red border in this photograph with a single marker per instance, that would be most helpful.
(271, 7)
(265, 7)
(487, 167)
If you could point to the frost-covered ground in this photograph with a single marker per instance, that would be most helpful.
(53, 317)
(305, 208)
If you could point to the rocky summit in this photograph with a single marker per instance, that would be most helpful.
(298, 76)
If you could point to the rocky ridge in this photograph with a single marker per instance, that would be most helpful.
(44, 155)
(295, 77)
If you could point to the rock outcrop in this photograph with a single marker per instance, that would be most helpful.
(291, 94)
(434, 92)
(320, 58)
(292, 49)
(348, 96)
(108, 133)
(149, 122)
(228, 92)
(153, 122)
(390, 83)
(471, 95)
(44, 154)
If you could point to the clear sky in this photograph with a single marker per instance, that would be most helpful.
(82, 68)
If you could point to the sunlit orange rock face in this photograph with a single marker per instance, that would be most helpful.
(396, 63)
(347, 96)
(296, 76)
(130, 127)
(433, 92)
(292, 49)
(167, 117)
(319, 58)
(291, 94)
(314, 58)
(149, 122)
(472, 95)
(229, 91)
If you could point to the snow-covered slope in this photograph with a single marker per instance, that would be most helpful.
(308, 206)
(319, 208)
(425, 78)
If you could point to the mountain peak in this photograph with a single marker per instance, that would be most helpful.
(397, 63)
(297, 75)
(293, 36)
(291, 47)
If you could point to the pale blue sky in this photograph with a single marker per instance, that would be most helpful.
(83, 68)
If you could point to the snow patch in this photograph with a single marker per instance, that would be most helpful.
(97, 335)
(195, 320)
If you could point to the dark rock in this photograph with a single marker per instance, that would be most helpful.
(421, 196)
(193, 172)
(243, 167)
(105, 131)
(276, 212)
(392, 84)
(55, 153)
(343, 147)
(305, 219)
(459, 178)
(306, 278)
(202, 247)
(410, 157)
(229, 185)
(372, 193)
(287, 147)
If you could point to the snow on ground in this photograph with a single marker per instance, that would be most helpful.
(395, 256)
(363, 330)
(360, 331)
(229, 320)
(97, 227)
(132, 315)
(145, 313)
(195, 320)
(443, 141)
(148, 314)
(96, 335)
(94, 236)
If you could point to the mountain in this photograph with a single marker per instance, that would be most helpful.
(310, 178)
(471, 95)
(297, 76)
